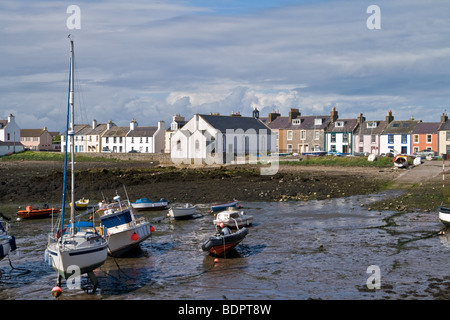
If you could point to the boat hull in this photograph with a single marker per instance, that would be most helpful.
(220, 245)
(444, 216)
(7, 245)
(86, 258)
(182, 213)
(224, 206)
(122, 240)
(36, 213)
(145, 204)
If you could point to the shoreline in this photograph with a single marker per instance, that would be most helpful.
(41, 182)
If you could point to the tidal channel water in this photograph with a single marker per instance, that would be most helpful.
(294, 251)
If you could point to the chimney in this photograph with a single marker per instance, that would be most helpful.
(237, 114)
(256, 113)
(109, 125)
(10, 118)
(273, 116)
(361, 119)
(389, 117)
(293, 114)
(133, 124)
(444, 117)
(177, 117)
(94, 124)
(334, 115)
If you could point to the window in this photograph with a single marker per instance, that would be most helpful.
(303, 135)
(339, 124)
(107, 140)
(333, 137)
(197, 145)
(373, 138)
(345, 138)
(416, 138)
(390, 138)
(317, 122)
(447, 135)
(296, 121)
(132, 139)
(289, 135)
(289, 148)
(316, 135)
(404, 138)
(9, 137)
(371, 124)
(179, 145)
(429, 138)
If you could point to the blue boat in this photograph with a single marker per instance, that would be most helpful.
(146, 204)
(222, 206)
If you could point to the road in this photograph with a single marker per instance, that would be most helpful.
(428, 171)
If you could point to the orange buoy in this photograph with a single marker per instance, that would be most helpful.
(56, 291)
(152, 229)
(134, 237)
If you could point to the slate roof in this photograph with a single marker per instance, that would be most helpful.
(222, 123)
(401, 126)
(363, 129)
(116, 132)
(349, 125)
(31, 132)
(307, 123)
(142, 132)
(426, 127)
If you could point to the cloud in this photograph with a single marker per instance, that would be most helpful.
(150, 60)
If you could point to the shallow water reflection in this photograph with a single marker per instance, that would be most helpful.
(294, 250)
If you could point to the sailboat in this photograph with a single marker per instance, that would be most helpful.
(79, 248)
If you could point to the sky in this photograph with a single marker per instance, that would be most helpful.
(148, 60)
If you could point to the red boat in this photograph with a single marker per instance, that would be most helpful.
(30, 213)
(224, 241)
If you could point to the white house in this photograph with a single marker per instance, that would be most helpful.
(10, 136)
(87, 137)
(9, 130)
(221, 139)
(177, 123)
(397, 136)
(113, 140)
(145, 139)
(339, 135)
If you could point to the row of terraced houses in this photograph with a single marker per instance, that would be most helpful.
(216, 134)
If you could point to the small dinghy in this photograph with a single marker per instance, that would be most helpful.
(224, 241)
(444, 215)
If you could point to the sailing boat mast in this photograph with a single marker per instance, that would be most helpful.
(72, 135)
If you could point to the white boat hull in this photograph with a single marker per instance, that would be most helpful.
(5, 247)
(84, 258)
(182, 212)
(444, 218)
(122, 239)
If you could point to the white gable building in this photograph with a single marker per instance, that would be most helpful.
(221, 139)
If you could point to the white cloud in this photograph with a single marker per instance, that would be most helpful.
(151, 59)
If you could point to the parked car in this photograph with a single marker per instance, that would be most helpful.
(106, 149)
(426, 153)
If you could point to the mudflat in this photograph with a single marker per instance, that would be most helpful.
(41, 181)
